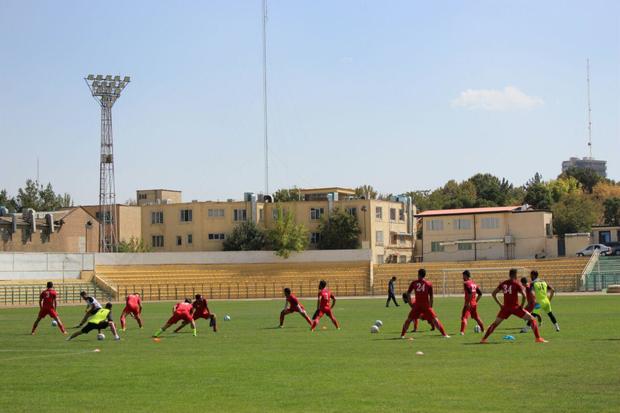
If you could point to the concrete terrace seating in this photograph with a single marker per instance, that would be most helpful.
(26, 292)
(231, 281)
(562, 273)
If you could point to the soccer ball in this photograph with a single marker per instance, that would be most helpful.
(226, 317)
(379, 323)
(374, 329)
(477, 329)
(54, 323)
(100, 336)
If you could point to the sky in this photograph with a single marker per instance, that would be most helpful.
(401, 95)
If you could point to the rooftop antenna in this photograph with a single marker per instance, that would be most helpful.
(106, 90)
(265, 96)
(589, 109)
(37, 169)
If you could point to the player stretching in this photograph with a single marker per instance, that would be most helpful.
(201, 310)
(181, 311)
(531, 303)
(47, 306)
(511, 290)
(294, 306)
(133, 306)
(92, 306)
(410, 301)
(324, 306)
(472, 296)
(543, 301)
(423, 304)
(101, 320)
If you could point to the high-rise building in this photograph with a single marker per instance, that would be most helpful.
(600, 167)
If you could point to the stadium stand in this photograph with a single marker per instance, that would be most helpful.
(604, 274)
(15, 293)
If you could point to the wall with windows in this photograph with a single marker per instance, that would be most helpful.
(605, 234)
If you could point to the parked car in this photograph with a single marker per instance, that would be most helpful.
(589, 250)
(615, 248)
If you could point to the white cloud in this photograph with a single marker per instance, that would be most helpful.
(508, 98)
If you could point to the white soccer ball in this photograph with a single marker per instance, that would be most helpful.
(379, 323)
(54, 323)
(226, 317)
(374, 329)
(477, 329)
(100, 336)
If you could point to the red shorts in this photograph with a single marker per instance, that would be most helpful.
(506, 312)
(425, 313)
(472, 311)
(176, 317)
(132, 310)
(205, 315)
(298, 309)
(325, 311)
(44, 311)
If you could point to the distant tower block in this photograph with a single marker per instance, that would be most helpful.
(106, 90)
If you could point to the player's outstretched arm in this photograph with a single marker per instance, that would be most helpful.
(522, 292)
(333, 300)
(494, 294)
(430, 295)
(479, 294)
(551, 291)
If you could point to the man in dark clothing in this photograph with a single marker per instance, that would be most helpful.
(391, 295)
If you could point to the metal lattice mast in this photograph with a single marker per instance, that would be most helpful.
(589, 109)
(106, 90)
(265, 96)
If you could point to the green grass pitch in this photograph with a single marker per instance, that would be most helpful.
(250, 365)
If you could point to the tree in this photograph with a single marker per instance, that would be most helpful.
(134, 244)
(7, 201)
(339, 232)
(538, 195)
(563, 186)
(612, 211)
(574, 213)
(587, 177)
(246, 236)
(287, 195)
(40, 198)
(366, 191)
(286, 236)
(28, 196)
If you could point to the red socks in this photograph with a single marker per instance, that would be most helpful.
(535, 328)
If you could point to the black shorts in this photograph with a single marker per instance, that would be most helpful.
(92, 326)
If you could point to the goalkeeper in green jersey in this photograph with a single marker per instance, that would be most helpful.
(544, 294)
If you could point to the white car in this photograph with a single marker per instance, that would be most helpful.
(589, 250)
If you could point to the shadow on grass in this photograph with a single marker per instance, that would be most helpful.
(478, 344)
(605, 339)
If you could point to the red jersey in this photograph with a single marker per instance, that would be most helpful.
(511, 289)
(325, 295)
(133, 300)
(200, 306)
(529, 294)
(293, 301)
(472, 289)
(422, 290)
(183, 308)
(48, 296)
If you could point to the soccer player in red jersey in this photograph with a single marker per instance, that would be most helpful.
(294, 306)
(472, 296)
(531, 303)
(133, 306)
(511, 288)
(324, 306)
(201, 310)
(47, 306)
(181, 311)
(410, 301)
(423, 304)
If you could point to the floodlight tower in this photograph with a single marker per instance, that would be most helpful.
(106, 90)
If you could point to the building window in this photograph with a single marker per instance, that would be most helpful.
(392, 214)
(179, 240)
(316, 213)
(186, 215)
(436, 246)
(401, 214)
(216, 237)
(465, 246)
(549, 230)
(215, 213)
(402, 259)
(141, 196)
(379, 238)
(157, 241)
(379, 213)
(462, 223)
(380, 259)
(240, 215)
(315, 237)
(261, 215)
(434, 225)
(157, 217)
(190, 239)
(489, 223)
(352, 211)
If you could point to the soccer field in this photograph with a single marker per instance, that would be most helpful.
(250, 365)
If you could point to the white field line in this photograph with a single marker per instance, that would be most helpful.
(72, 353)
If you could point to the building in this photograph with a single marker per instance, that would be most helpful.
(67, 230)
(470, 234)
(128, 220)
(603, 234)
(387, 227)
(600, 167)
(162, 196)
